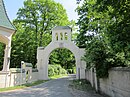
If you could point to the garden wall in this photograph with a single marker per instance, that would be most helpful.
(116, 85)
(34, 76)
(15, 77)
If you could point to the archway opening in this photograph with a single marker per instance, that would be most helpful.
(2, 47)
(61, 62)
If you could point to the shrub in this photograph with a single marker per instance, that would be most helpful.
(51, 71)
(70, 71)
(63, 71)
(56, 70)
(74, 70)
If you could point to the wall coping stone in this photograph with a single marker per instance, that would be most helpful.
(35, 70)
(28, 64)
(121, 69)
(4, 72)
(17, 70)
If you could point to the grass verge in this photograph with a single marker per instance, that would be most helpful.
(22, 86)
(82, 85)
(57, 76)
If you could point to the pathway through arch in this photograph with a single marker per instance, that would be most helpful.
(53, 88)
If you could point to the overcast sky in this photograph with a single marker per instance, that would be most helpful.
(12, 7)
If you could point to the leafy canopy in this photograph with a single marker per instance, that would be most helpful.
(104, 31)
(34, 23)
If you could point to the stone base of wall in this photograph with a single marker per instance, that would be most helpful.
(116, 85)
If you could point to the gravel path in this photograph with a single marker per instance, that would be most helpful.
(53, 88)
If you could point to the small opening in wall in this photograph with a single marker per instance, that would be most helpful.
(27, 75)
(66, 36)
(61, 36)
(56, 36)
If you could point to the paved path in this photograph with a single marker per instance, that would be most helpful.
(53, 88)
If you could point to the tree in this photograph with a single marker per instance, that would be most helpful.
(2, 46)
(41, 16)
(109, 22)
(82, 23)
(23, 43)
(117, 31)
(63, 57)
(34, 23)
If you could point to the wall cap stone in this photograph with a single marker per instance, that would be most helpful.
(4, 72)
(17, 70)
(121, 69)
(35, 70)
(28, 64)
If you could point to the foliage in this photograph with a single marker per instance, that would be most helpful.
(56, 70)
(41, 16)
(82, 84)
(64, 57)
(51, 71)
(23, 47)
(97, 56)
(34, 23)
(78, 1)
(105, 26)
(71, 71)
(82, 23)
(57, 76)
(2, 46)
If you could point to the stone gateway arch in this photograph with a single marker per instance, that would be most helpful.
(61, 38)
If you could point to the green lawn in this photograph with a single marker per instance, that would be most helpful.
(22, 86)
(58, 76)
(83, 85)
(30, 84)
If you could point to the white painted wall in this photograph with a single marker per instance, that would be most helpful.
(14, 78)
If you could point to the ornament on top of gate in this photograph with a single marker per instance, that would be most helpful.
(61, 34)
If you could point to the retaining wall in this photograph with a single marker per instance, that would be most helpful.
(116, 85)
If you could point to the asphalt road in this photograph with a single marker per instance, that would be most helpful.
(53, 88)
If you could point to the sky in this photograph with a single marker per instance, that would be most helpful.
(12, 7)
